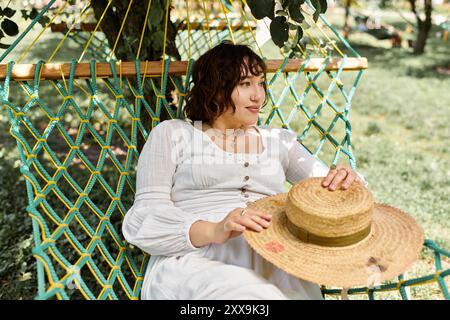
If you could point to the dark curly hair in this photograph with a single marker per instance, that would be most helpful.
(215, 75)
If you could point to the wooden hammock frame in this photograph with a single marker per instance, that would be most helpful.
(53, 71)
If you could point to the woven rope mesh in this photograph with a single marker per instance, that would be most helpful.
(77, 134)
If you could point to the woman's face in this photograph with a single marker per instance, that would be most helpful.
(248, 97)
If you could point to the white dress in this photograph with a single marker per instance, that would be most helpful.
(182, 177)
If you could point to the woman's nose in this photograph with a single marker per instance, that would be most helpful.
(257, 93)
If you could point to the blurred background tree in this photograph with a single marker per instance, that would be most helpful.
(423, 24)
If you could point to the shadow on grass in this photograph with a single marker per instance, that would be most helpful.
(404, 63)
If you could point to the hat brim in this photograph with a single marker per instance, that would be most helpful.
(394, 243)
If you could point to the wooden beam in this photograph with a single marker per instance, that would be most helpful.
(315, 64)
(52, 71)
(62, 27)
(221, 25)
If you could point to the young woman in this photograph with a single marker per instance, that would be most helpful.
(195, 177)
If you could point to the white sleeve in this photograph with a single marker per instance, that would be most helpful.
(154, 223)
(300, 163)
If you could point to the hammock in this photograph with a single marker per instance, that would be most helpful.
(77, 124)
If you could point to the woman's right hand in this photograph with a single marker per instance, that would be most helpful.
(234, 223)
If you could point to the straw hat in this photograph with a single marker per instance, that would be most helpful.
(336, 238)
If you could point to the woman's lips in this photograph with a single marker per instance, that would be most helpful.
(253, 110)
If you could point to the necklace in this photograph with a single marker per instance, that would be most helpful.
(235, 133)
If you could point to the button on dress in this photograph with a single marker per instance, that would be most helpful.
(183, 177)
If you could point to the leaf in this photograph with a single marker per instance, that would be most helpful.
(33, 13)
(318, 7)
(323, 6)
(4, 46)
(294, 11)
(298, 37)
(262, 8)
(24, 14)
(8, 12)
(158, 40)
(156, 13)
(279, 31)
(10, 27)
(44, 20)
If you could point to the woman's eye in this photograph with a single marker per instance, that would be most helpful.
(262, 83)
(246, 84)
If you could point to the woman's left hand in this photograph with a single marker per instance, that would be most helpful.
(340, 174)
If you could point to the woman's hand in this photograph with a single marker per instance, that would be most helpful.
(234, 223)
(338, 174)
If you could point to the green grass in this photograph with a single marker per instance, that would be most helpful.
(400, 136)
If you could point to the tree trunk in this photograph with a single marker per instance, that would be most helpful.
(419, 45)
(423, 26)
(347, 19)
(128, 44)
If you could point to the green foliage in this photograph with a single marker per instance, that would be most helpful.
(279, 30)
(155, 37)
(7, 12)
(9, 28)
(262, 8)
(156, 14)
(30, 14)
(295, 12)
(286, 16)
(153, 41)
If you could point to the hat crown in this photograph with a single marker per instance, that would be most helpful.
(339, 217)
